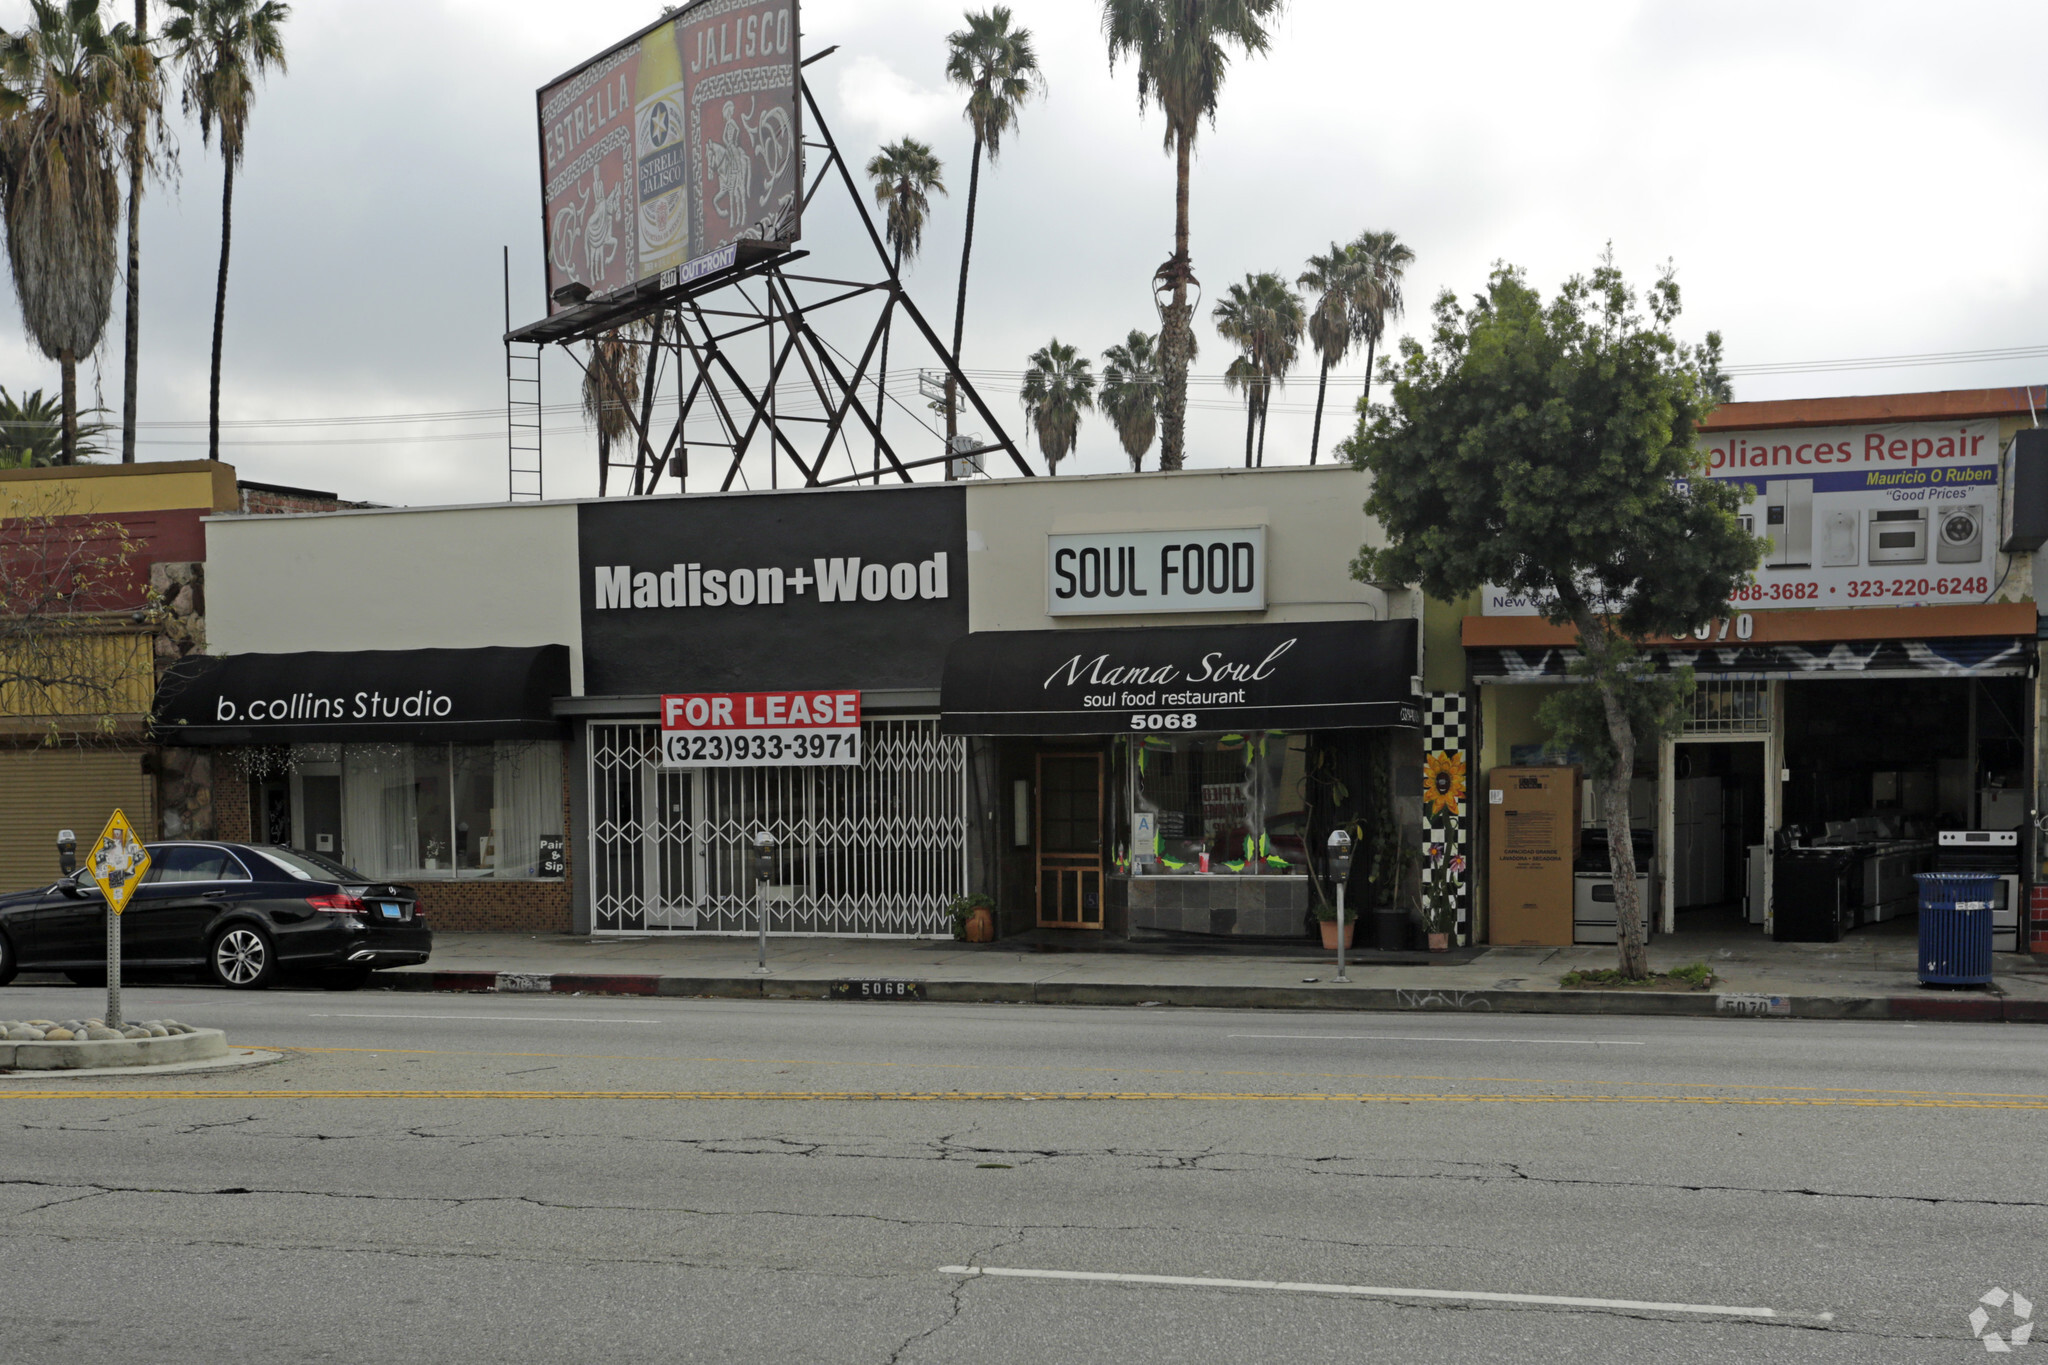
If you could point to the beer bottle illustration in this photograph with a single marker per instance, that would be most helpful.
(662, 153)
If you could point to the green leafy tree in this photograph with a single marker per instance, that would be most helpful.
(1264, 319)
(905, 176)
(66, 84)
(1179, 48)
(1130, 393)
(1378, 262)
(1548, 448)
(998, 66)
(222, 48)
(1058, 387)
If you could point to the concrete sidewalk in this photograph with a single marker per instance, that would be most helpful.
(1866, 976)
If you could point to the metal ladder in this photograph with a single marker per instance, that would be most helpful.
(522, 409)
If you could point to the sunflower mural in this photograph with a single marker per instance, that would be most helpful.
(1443, 783)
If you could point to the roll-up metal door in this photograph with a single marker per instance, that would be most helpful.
(45, 790)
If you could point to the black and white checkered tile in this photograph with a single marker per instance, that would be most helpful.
(1444, 731)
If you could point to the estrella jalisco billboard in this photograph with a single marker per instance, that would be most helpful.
(671, 146)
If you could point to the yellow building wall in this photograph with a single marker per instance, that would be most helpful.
(110, 489)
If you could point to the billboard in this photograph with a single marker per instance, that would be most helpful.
(662, 153)
(1879, 515)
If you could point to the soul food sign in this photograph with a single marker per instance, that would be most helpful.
(760, 729)
(1124, 572)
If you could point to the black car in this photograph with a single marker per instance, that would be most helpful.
(241, 913)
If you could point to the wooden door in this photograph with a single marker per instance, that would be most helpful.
(1069, 841)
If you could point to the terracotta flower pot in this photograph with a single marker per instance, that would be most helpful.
(981, 925)
(1329, 927)
(1439, 943)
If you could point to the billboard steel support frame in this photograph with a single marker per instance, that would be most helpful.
(696, 335)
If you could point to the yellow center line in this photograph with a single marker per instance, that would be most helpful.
(1159, 1071)
(917, 1096)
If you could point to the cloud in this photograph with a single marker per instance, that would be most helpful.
(888, 105)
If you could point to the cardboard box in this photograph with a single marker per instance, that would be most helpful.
(1532, 823)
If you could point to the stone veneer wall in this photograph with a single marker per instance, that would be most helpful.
(522, 907)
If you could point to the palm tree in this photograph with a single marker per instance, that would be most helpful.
(905, 174)
(1331, 329)
(1130, 393)
(1380, 261)
(1057, 387)
(1265, 319)
(32, 432)
(1178, 46)
(222, 48)
(611, 379)
(999, 68)
(147, 103)
(65, 82)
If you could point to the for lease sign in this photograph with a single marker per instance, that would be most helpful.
(760, 729)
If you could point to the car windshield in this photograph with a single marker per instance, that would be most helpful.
(310, 867)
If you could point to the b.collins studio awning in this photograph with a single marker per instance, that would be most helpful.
(364, 696)
(1307, 676)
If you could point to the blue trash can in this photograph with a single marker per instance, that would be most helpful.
(1955, 928)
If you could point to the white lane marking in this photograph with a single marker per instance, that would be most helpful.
(1366, 1291)
(1430, 1038)
(521, 1018)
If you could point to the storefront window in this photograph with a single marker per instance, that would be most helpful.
(1221, 804)
(451, 810)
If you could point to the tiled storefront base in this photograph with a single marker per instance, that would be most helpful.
(521, 907)
(1263, 907)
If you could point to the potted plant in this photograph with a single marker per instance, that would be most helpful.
(1441, 883)
(974, 918)
(1326, 920)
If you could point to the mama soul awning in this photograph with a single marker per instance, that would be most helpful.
(1310, 675)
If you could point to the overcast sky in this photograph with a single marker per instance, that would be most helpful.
(1833, 180)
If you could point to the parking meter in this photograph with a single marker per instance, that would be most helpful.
(1340, 872)
(67, 851)
(764, 873)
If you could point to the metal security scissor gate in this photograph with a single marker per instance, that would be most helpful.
(874, 850)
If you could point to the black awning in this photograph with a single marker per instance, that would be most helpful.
(363, 696)
(1309, 676)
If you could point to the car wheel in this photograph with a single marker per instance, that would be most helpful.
(8, 966)
(345, 978)
(242, 958)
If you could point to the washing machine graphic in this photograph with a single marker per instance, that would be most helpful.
(1959, 534)
(1841, 534)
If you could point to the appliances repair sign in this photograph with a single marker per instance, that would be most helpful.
(760, 730)
(1892, 515)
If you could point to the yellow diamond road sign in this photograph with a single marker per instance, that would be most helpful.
(119, 862)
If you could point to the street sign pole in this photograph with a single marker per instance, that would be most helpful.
(119, 862)
(113, 970)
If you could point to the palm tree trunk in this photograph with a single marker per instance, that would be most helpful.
(220, 307)
(1265, 406)
(1368, 376)
(1174, 335)
(68, 361)
(882, 374)
(960, 303)
(1251, 422)
(132, 340)
(1315, 435)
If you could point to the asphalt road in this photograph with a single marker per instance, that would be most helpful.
(460, 1178)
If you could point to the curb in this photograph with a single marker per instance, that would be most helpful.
(198, 1045)
(1971, 1008)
